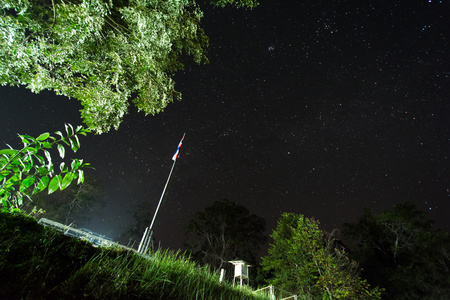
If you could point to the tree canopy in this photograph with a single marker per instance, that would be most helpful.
(308, 261)
(401, 251)
(238, 3)
(225, 231)
(102, 52)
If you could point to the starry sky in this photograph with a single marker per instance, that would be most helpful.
(322, 108)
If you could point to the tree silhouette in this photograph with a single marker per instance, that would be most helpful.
(225, 231)
(402, 252)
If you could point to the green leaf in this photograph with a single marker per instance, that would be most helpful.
(77, 142)
(69, 129)
(74, 143)
(50, 169)
(54, 184)
(5, 202)
(60, 134)
(28, 157)
(19, 199)
(63, 167)
(26, 139)
(27, 182)
(28, 167)
(49, 157)
(16, 170)
(61, 150)
(30, 150)
(67, 180)
(43, 136)
(15, 162)
(8, 151)
(43, 171)
(5, 173)
(21, 163)
(40, 159)
(46, 144)
(80, 177)
(75, 164)
(81, 130)
(15, 178)
(42, 184)
(87, 165)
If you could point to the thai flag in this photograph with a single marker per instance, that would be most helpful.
(177, 153)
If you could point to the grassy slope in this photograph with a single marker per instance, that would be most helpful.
(40, 263)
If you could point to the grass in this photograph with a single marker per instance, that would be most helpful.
(41, 263)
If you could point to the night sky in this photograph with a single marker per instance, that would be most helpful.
(322, 108)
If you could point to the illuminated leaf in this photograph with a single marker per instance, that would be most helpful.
(69, 129)
(61, 150)
(8, 151)
(74, 143)
(46, 144)
(54, 184)
(60, 134)
(43, 137)
(27, 182)
(75, 164)
(48, 156)
(42, 184)
(66, 180)
(80, 177)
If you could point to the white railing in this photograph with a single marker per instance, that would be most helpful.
(276, 293)
(95, 238)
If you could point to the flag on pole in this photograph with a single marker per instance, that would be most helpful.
(177, 153)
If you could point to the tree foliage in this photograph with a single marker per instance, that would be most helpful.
(308, 261)
(237, 3)
(26, 172)
(102, 52)
(402, 252)
(225, 231)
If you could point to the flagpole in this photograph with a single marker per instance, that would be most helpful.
(146, 238)
(162, 195)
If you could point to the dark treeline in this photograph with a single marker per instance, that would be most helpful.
(397, 254)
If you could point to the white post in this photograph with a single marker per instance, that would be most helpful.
(222, 275)
(272, 294)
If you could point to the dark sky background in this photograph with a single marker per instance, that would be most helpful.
(322, 108)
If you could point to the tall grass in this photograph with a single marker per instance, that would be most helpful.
(161, 275)
(40, 263)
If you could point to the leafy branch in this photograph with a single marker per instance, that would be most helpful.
(26, 172)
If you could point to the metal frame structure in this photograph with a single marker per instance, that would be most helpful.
(276, 293)
(85, 234)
